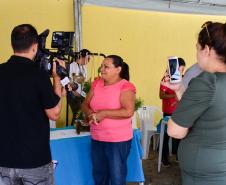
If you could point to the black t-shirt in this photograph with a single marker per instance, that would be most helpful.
(25, 92)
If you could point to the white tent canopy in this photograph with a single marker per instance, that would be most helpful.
(210, 7)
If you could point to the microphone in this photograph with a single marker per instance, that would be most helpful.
(88, 53)
(98, 54)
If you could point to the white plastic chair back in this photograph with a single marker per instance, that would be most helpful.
(147, 125)
(147, 117)
(134, 121)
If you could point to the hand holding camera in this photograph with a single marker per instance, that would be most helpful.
(57, 77)
(59, 70)
(56, 65)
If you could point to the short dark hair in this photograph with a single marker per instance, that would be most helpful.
(23, 36)
(83, 53)
(181, 62)
(118, 62)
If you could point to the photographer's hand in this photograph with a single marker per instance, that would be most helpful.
(54, 113)
(61, 62)
(54, 71)
(56, 75)
(58, 88)
(56, 81)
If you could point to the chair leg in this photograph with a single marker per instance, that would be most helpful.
(161, 145)
(170, 146)
(158, 141)
(150, 135)
(144, 142)
(155, 142)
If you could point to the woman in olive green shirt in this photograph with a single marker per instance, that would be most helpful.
(200, 118)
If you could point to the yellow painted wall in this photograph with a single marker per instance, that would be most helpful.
(144, 39)
(56, 15)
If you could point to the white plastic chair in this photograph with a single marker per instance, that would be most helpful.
(134, 121)
(161, 138)
(147, 118)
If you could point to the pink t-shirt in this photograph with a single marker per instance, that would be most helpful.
(108, 97)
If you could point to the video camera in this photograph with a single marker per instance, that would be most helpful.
(62, 42)
(62, 48)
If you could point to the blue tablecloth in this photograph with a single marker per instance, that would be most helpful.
(74, 161)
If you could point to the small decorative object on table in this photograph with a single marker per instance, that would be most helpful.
(80, 123)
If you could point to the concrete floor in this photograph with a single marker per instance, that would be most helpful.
(167, 176)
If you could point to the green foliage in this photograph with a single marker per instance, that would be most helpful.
(138, 103)
(87, 86)
(80, 115)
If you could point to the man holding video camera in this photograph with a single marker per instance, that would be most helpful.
(28, 101)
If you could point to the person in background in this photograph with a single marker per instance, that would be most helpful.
(200, 117)
(190, 73)
(180, 87)
(78, 71)
(169, 103)
(78, 75)
(28, 101)
(109, 106)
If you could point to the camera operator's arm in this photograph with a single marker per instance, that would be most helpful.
(54, 112)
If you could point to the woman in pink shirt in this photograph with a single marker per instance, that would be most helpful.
(109, 107)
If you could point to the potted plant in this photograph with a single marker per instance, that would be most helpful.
(138, 104)
(87, 86)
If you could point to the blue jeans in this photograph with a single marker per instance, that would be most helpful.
(109, 161)
(35, 176)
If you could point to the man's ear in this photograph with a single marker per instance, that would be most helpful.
(34, 47)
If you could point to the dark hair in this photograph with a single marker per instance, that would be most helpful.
(23, 36)
(118, 62)
(213, 34)
(83, 53)
(181, 62)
